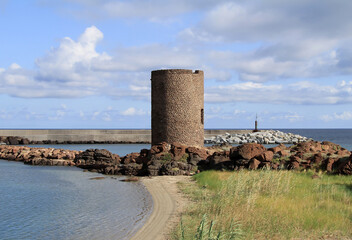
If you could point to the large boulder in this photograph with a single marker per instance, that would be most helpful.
(96, 158)
(253, 164)
(130, 158)
(178, 150)
(345, 166)
(278, 148)
(13, 140)
(153, 169)
(160, 148)
(201, 152)
(132, 169)
(221, 160)
(247, 151)
(266, 156)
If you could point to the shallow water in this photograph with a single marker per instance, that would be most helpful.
(38, 202)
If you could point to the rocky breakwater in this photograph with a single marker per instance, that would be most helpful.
(178, 159)
(261, 137)
(38, 156)
(161, 159)
(13, 140)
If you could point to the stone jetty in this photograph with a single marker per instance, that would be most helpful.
(179, 159)
(261, 137)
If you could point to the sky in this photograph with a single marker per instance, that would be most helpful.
(87, 64)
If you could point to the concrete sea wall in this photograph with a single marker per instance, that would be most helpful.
(99, 135)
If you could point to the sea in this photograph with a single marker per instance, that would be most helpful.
(41, 202)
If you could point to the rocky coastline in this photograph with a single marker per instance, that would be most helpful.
(261, 137)
(178, 159)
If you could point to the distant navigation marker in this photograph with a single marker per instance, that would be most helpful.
(256, 123)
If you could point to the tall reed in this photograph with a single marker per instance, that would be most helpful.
(271, 204)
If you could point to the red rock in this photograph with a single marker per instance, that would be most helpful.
(159, 148)
(220, 159)
(329, 163)
(144, 156)
(250, 150)
(294, 165)
(253, 164)
(178, 150)
(345, 167)
(317, 158)
(278, 148)
(130, 158)
(267, 156)
(283, 153)
(343, 152)
(201, 152)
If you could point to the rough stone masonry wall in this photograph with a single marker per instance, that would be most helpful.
(178, 106)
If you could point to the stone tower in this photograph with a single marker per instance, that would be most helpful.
(178, 106)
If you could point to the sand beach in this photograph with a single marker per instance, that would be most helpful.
(168, 204)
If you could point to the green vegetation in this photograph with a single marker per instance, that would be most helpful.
(267, 205)
(184, 158)
(166, 157)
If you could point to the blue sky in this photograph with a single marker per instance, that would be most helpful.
(87, 64)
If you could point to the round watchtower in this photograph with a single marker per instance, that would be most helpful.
(178, 106)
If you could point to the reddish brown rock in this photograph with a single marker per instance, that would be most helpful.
(201, 152)
(329, 163)
(250, 150)
(144, 156)
(284, 153)
(343, 152)
(220, 160)
(130, 158)
(345, 167)
(267, 156)
(330, 147)
(253, 164)
(278, 148)
(178, 150)
(160, 148)
(294, 165)
(310, 146)
(317, 158)
(294, 162)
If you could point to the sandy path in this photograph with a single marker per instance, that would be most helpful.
(168, 203)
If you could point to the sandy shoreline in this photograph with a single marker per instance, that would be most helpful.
(168, 202)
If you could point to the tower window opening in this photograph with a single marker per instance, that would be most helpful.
(202, 116)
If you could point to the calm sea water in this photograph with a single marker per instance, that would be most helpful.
(342, 137)
(39, 202)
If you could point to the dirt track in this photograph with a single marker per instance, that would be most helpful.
(168, 203)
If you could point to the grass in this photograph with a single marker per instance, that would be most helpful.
(268, 205)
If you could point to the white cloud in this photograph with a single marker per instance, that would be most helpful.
(133, 112)
(291, 117)
(107, 117)
(294, 39)
(344, 116)
(303, 92)
(271, 20)
(60, 113)
(76, 69)
(95, 115)
(72, 63)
